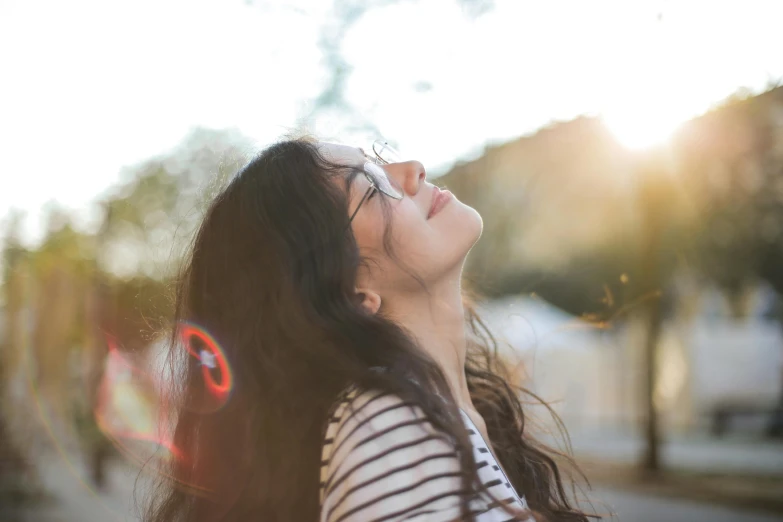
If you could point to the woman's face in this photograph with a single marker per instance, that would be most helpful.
(433, 247)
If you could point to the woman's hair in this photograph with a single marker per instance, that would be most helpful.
(271, 278)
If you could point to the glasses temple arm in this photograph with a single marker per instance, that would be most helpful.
(369, 190)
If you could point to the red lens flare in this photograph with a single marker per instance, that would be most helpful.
(211, 358)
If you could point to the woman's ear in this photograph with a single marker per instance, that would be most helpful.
(369, 299)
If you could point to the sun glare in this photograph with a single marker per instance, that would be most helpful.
(637, 130)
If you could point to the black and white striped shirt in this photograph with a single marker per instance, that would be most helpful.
(383, 461)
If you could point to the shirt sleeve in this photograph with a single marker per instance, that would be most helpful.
(383, 461)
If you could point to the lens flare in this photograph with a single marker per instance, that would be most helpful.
(128, 409)
(133, 409)
(212, 360)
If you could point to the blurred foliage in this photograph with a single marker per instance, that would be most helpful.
(149, 220)
(565, 210)
(68, 295)
(332, 98)
(733, 157)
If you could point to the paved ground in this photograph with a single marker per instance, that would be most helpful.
(634, 507)
(695, 453)
(76, 501)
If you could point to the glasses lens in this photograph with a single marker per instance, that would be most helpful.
(382, 180)
(386, 153)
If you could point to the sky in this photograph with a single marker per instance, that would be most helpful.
(91, 86)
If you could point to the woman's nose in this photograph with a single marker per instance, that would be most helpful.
(409, 174)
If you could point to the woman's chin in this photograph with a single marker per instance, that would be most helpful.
(473, 224)
(469, 228)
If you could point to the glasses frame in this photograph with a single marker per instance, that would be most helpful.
(379, 161)
(380, 144)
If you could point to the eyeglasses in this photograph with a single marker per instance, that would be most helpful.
(386, 153)
(377, 177)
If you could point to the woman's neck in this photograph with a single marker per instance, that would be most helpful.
(438, 324)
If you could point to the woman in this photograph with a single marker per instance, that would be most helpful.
(363, 384)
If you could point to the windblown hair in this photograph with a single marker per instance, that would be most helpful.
(271, 277)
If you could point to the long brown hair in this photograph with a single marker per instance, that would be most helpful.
(271, 278)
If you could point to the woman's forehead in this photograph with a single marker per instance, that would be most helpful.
(345, 155)
(339, 153)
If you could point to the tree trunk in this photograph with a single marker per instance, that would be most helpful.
(653, 198)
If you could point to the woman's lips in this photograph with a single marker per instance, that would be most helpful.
(439, 200)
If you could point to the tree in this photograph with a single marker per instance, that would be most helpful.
(733, 158)
(66, 295)
(149, 219)
(17, 476)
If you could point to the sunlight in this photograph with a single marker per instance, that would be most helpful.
(648, 99)
(637, 131)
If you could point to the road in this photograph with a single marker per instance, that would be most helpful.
(634, 507)
(726, 455)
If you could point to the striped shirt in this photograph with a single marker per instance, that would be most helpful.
(383, 461)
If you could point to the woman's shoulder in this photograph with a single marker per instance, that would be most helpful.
(382, 455)
(360, 409)
(363, 412)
